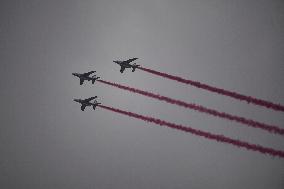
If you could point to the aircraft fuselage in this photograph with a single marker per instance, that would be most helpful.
(124, 64)
(82, 76)
(85, 103)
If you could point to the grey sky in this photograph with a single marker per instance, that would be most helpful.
(46, 141)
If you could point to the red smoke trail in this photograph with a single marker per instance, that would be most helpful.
(249, 99)
(252, 123)
(219, 138)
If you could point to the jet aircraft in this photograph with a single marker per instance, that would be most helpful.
(87, 102)
(126, 64)
(86, 76)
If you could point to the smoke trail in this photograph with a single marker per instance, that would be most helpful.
(252, 123)
(249, 99)
(218, 138)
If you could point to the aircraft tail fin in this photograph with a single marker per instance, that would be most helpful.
(134, 67)
(94, 79)
(95, 105)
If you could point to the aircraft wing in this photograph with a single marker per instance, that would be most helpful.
(83, 107)
(122, 69)
(89, 73)
(131, 60)
(81, 81)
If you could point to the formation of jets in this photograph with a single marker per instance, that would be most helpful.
(87, 76)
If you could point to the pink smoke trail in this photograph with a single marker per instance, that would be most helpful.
(249, 122)
(218, 138)
(249, 99)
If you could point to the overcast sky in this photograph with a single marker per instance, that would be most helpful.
(46, 141)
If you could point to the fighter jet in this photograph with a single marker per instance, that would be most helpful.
(126, 64)
(87, 102)
(86, 76)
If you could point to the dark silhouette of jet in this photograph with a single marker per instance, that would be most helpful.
(126, 64)
(87, 102)
(86, 76)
